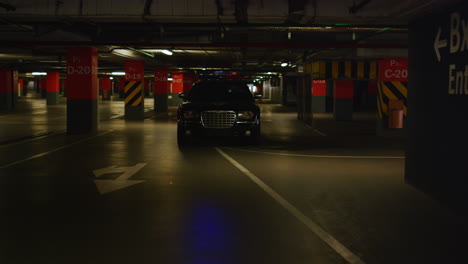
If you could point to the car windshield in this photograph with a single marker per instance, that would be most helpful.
(219, 91)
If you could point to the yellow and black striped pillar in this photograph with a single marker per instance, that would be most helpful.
(344, 70)
(394, 90)
(134, 90)
(134, 108)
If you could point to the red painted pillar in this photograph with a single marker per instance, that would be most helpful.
(188, 82)
(177, 82)
(319, 96)
(82, 90)
(8, 88)
(160, 89)
(134, 94)
(177, 88)
(106, 85)
(53, 88)
(21, 89)
(392, 92)
(343, 106)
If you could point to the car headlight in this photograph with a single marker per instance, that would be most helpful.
(245, 115)
(191, 115)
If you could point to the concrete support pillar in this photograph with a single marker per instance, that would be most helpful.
(82, 90)
(147, 88)
(38, 86)
(319, 96)
(31, 85)
(134, 94)
(8, 88)
(343, 100)
(106, 88)
(65, 87)
(372, 92)
(43, 87)
(437, 144)
(177, 87)
(21, 90)
(160, 90)
(52, 88)
(391, 98)
(121, 88)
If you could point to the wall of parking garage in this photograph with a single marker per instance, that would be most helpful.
(437, 152)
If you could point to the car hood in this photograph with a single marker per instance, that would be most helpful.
(203, 106)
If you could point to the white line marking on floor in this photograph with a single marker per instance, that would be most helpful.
(320, 156)
(322, 234)
(317, 131)
(52, 151)
(320, 133)
(32, 139)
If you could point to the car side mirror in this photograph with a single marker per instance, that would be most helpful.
(182, 95)
(258, 96)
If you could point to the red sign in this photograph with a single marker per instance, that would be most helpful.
(134, 71)
(82, 74)
(319, 88)
(160, 84)
(395, 69)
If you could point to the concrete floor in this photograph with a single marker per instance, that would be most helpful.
(330, 194)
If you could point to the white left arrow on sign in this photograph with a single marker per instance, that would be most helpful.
(121, 182)
(439, 43)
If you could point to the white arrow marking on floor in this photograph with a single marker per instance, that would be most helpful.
(107, 186)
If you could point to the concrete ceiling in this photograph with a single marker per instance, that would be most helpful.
(243, 35)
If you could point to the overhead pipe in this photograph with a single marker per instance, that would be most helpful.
(199, 45)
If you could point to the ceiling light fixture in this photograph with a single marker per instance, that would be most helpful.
(123, 52)
(39, 73)
(142, 52)
(167, 52)
(118, 73)
(284, 64)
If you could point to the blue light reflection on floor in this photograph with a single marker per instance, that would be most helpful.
(210, 235)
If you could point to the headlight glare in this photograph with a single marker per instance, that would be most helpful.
(245, 115)
(191, 115)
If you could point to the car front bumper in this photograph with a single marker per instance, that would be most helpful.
(196, 128)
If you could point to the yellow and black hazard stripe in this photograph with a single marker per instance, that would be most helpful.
(134, 93)
(342, 70)
(391, 91)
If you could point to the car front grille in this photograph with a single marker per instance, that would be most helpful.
(218, 119)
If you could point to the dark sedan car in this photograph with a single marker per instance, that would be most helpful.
(218, 108)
